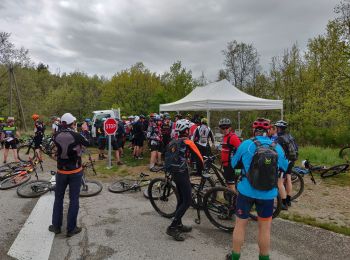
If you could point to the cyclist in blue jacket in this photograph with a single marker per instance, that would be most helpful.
(263, 199)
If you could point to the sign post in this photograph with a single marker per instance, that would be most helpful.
(110, 126)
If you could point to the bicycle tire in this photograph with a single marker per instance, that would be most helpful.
(34, 189)
(344, 153)
(276, 211)
(334, 170)
(163, 193)
(220, 202)
(122, 186)
(90, 188)
(297, 179)
(26, 153)
(14, 181)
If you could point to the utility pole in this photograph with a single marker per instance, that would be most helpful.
(13, 85)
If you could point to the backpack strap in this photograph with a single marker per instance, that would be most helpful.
(256, 141)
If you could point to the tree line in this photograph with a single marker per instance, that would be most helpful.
(314, 84)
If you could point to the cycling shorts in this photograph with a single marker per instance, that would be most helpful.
(116, 144)
(156, 148)
(102, 143)
(138, 141)
(290, 167)
(229, 174)
(12, 144)
(38, 139)
(244, 204)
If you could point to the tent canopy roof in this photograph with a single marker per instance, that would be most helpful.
(221, 95)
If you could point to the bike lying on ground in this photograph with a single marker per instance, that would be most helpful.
(38, 187)
(324, 171)
(27, 152)
(15, 174)
(130, 184)
(34, 189)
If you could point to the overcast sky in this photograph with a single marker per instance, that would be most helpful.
(105, 36)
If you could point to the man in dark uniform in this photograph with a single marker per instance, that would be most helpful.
(69, 173)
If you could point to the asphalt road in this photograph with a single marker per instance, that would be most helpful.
(125, 226)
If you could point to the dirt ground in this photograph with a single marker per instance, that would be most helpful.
(327, 203)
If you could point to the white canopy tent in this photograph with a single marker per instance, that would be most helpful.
(218, 96)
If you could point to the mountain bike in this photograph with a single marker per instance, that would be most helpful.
(18, 175)
(38, 187)
(27, 152)
(130, 184)
(34, 189)
(324, 171)
(164, 197)
(220, 180)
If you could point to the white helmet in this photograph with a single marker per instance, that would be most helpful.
(68, 118)
(137, 118)
(182, 125)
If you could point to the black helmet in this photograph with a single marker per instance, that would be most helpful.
(281, 124)
(224, 122)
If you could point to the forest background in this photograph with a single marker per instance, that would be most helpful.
(314, 85)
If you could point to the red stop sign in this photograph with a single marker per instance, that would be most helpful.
(110, 126)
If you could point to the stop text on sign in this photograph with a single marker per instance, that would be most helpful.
(110, 126)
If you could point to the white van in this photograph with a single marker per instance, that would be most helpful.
(99, 114)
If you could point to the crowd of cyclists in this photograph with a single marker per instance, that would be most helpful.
(191, 139)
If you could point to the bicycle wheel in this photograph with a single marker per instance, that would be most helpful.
(277, 206)
(53, 151)
(344, 153)
(90, 188)
(14, 181)
(334, 170)
(123, 185)
(297, 185)
(26, 153)
(219, 204)
(163, 197)
(34, 189)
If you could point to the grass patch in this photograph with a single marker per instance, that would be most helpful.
(315, 223)
(116, 170)
(320, 155)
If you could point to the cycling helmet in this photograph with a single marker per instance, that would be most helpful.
(68, 118)
(261, 123)
(35, 117)
(224, 122)
(152, 115)
(166, 115)
(137, 118)
(87, 120)
(189, 115)
(10, 119)
(182, 125)
(281, 124)
(204, 121)
(131, 117)
(2, 119)
(142, 116)
(157, 118)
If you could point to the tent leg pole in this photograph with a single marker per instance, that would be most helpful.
(239, 121)
(208, 117)
(282, 114)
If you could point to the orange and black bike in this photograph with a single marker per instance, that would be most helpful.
(15, 174)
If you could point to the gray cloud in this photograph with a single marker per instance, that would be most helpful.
(105, 37)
